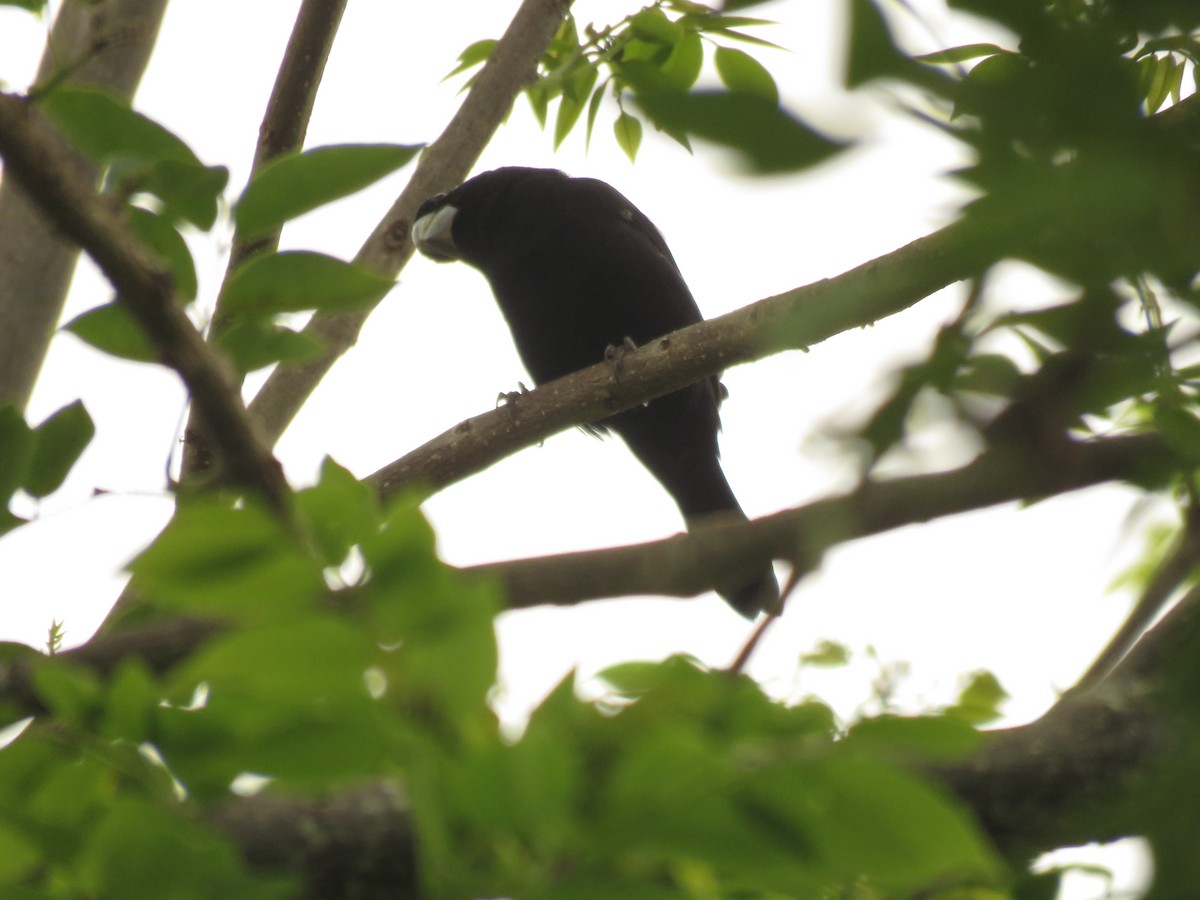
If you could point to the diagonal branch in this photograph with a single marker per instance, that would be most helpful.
(444, 163)
(793, 320)
(37, 157)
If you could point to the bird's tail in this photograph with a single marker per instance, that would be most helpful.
(675, 437)
(749, 596)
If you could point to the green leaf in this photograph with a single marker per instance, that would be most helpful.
(31, 5)
(576, 90)
(139, 850)
(16, 450)
(235, 562)
(740, 71)
(288, 700)
(873, 53)
(682, 67)
(827, 654)
(8, 521)
(734, 5)
(1179, 428)
(652, 24)
(58, 443)
(144, 156)
(862, 821)
(913, 740)
(767, 139)
(189, 192)
(112, 329)
(19, 857)
(106, 129)
(988, 373)
(628, 131)
(294, 184)
(71, 692)
(165, 241)
(980, 699)
(961, 54)
(253, 342)
(474, 54)
(746, 38)
(890, 826)
(340, 511)
(299, 280)
(133, 697)
(593, 108)
(539, 102)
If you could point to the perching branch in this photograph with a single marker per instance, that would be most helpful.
(793, 320)
(444, 164)
(36, 156)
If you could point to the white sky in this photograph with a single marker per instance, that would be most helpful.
(1023, 593)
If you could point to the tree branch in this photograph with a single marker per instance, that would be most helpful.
(444, 164)
(793, 320)
(688, 564)
(105, 44)
(284, 125)
(35, 155)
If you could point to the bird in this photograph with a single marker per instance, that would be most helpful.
(577, 270)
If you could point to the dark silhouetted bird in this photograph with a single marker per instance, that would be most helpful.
(577, 268)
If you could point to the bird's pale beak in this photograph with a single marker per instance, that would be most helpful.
(431, 234)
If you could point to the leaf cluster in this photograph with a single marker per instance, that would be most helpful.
(650, 63)
(1074, 174)
(350, 652)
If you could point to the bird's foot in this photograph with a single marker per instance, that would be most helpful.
(510, 398)
(614, 355)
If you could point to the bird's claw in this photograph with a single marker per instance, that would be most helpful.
(510, 398)
(614, 355)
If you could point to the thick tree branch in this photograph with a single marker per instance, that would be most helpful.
(106, 44)
(688, 564)
(793, 320)
(35, 155)
(358, 843)
(444, 164)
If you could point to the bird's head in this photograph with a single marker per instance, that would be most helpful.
(433, 230)
(486, 218)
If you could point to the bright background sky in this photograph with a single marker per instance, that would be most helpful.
(1023, 593)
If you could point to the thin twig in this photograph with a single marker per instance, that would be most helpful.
(743, 658)
(284, 125)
